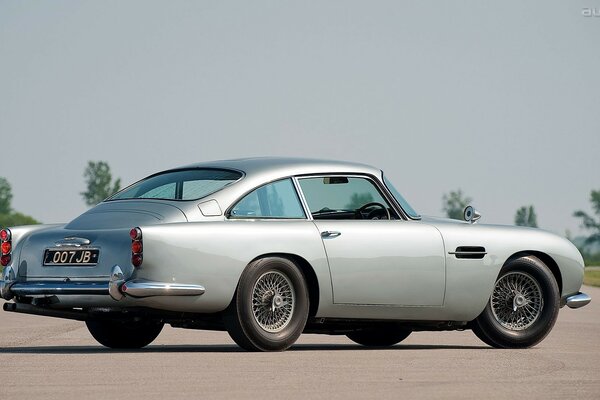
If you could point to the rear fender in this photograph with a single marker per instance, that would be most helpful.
(214, 254)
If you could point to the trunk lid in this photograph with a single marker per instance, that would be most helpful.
(127, 214)
(104, 228)
(113, 245)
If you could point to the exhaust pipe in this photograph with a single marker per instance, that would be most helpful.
(48, 312)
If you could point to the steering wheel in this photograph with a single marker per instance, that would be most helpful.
(371, 214)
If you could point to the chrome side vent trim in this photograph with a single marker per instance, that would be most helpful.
(473, 252)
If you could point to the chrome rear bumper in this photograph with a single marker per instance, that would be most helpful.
(117, 287)
(56, 288)
(578, 300)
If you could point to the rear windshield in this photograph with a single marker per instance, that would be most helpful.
(186, 184)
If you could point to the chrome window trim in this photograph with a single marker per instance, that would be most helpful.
(302, 198)
(397, 203)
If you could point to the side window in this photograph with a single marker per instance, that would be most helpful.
(339, 197)
(274, 200)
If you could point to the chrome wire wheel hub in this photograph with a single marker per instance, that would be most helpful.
(516, 301)
(273, 300)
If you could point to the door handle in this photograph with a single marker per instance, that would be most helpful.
(330, 234)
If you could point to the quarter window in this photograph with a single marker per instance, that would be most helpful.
(274, 200)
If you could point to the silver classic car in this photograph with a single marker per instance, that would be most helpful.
(268, 248)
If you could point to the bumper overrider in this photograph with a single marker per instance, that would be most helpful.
(577, 300)
(117, 287)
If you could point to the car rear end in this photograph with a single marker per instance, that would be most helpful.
(93, 260)
(51, 268)
(48, 261)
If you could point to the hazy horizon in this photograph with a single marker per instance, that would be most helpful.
(500, 100)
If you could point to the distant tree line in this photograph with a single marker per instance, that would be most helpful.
(588, 222)
(8, 216)
(99, 183)
(454, 204)
(99, 186)
(526, 216)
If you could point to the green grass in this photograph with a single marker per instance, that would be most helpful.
(592, 276)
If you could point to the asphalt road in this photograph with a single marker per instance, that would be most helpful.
(58, 359)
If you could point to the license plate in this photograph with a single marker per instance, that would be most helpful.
(71, 257)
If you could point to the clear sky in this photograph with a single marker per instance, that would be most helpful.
(501, 99)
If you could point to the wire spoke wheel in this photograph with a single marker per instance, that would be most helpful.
(273, 301)
(270, 306)
(523, 305)
(517, 301)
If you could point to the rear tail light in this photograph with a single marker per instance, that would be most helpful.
(135, 234)
(5, 235)
(5, 260)
(6, 246)
(136, 260)
(137, 247)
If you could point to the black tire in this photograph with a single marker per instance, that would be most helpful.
(124, 334)
(382, 337)
(243, 315)
(502, 327)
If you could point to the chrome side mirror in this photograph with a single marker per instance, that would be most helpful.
(471, 215)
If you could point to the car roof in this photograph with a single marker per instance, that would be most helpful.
(287, 166)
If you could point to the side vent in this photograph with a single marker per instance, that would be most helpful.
(473, 252)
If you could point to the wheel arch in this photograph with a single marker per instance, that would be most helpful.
(543, 257)
(309, 274)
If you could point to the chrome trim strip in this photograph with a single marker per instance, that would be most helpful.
(578, 300)
(300, 195)
(116, 287)
(141, 288)
(58, 288)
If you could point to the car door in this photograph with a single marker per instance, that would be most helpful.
(375, 257)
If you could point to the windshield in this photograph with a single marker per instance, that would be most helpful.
(403, 203)
(187, 184)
